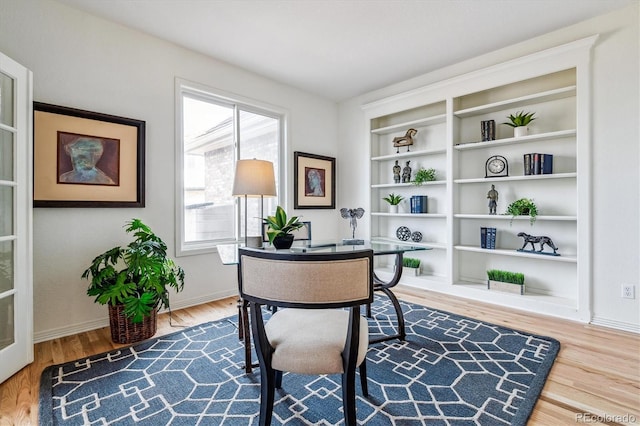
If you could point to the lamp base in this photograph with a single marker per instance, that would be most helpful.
(352, 242)
(254, 242)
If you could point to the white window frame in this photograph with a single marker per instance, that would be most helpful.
(182, 87)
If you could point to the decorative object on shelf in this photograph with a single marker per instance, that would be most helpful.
(280, 228)
(353, 215)
(410, 266)
(393, 200)
(403, 233)
(314, 181)
(418, 204)
(538, 164)
(488, 238)
(519, 121)
(496, 166)
(406, 173)
(406, 140)
(523, 207)
(488, 130)
(424, 175)
(542, 240)
(510, 282)
(141, 287)
(396, 172)
(416, 236)
(492, 195)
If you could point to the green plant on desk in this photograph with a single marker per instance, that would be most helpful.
(280, 225)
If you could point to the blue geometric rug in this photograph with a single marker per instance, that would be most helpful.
(451, 370)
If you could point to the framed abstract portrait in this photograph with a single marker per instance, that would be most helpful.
(86, 159)
(314, 183)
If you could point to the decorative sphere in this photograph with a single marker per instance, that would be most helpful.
(416, 237)
(403, 233)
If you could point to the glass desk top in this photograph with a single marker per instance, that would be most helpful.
(229, 252)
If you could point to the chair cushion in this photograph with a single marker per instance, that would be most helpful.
(310, 341)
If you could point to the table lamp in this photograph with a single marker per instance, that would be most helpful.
(253, 178)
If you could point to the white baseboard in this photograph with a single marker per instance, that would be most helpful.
(55, 333)
(618, 325)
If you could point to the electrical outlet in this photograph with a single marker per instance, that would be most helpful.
(628, 291)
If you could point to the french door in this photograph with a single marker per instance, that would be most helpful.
(16, 277)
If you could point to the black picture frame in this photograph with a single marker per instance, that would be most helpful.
(121, 155)
(314, 181)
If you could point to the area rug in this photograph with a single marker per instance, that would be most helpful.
(450, 370)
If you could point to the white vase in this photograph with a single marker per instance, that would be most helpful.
(393, 209)
(520, 131)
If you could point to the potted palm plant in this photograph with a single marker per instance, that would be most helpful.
(519, 121)
(280, 228)
(134, 282)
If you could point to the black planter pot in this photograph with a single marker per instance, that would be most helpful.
(283, 241)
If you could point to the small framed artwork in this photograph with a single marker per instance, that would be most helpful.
(314, 182)
(86, 159)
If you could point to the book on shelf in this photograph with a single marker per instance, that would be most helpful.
(488, 237)
(538, 164)
(418, 204)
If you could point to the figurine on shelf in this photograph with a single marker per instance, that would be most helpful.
(406, 140)
(406, 173)
(542, 240)
(353, 215)
(492, 195)
(396, 172)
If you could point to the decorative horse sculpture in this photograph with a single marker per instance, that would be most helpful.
(405, 140)
(542, 240)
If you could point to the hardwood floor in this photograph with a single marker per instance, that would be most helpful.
(595, 379)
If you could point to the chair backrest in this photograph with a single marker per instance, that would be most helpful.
(307, 280)
(303, 234)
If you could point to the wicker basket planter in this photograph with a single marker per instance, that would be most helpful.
(125, 331)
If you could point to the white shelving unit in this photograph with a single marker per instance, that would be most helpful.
(555, 85)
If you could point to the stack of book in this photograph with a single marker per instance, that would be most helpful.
(488, 238)
(538, 164)
(418, 204)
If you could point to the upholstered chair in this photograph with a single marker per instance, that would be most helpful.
(314, 334)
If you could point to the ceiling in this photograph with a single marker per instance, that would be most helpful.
(343, 48)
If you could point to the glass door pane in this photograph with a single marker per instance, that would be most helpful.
(6, 155)
(6, 99)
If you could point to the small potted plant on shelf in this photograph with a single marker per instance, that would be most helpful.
(134, 282)
(510, 282)
(523, 207)
(411, 266)
(519, 121)
(393, 200)
(280, 228)
(424, 175)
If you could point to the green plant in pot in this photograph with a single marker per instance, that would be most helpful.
(280, 228)
(393, 200)
(134, 281)
(523, 207)
(519, 121)
(424, 175)
(511, 282)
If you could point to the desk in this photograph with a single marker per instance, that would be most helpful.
(229, 255)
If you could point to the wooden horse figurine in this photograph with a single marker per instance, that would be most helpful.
(405, 140)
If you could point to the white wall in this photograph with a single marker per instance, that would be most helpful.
(88, 63)
(616, 154)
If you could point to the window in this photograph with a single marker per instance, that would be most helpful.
(213, 131)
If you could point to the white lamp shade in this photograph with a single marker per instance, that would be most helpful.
(254, 178)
